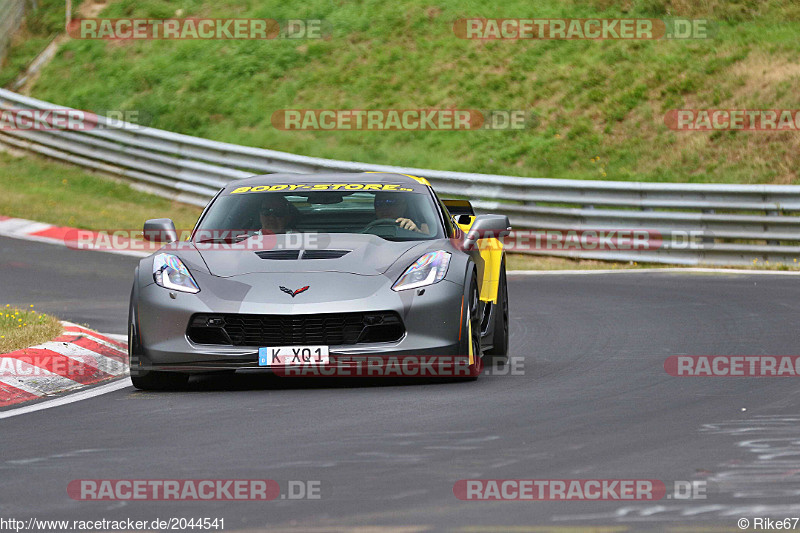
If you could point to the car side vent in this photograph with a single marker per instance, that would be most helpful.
(324, 254)
(281, 255)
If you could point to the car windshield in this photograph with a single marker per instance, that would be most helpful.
(391, 212)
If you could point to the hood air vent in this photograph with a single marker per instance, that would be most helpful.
(284, 255)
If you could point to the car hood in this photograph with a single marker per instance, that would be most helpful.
(366, 255)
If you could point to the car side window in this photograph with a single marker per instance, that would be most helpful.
(449, 228)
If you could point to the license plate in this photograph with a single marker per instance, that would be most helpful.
(293, 355)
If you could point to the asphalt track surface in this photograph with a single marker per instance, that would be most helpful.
(594, 402)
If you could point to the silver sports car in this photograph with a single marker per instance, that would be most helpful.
(319, 271)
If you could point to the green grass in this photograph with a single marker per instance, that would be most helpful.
(37, 30)
(23, 328)
(36, 189)
(604, 99)
(22, 53)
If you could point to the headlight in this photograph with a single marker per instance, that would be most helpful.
(427, 270)
(170, 272)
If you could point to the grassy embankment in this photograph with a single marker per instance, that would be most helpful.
(601, 104)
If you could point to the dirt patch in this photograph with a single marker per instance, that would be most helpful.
(91, 8)
(24, 84)
(761, 72)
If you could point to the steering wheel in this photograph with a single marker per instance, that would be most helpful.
(380, 222)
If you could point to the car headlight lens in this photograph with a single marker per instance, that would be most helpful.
(427, 270)
(170, 272)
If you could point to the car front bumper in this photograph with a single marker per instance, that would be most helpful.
(432, 318)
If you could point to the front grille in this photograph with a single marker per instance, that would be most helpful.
(331, 329)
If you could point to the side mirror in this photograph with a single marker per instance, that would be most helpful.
(160, 230)
(487, 227)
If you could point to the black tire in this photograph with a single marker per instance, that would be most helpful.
(148, 379)
(472, 328)
(133, 338)
(498, 353)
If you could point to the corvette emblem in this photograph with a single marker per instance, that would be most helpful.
(292, 293)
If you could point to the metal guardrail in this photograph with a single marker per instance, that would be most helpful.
(11, 14)
(730, 224)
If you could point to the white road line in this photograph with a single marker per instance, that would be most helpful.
(42, 382)
(20, 226)
(70, 398)
(650, 270)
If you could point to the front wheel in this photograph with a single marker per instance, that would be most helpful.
(471, 330)
(151, 380)
(148, 379)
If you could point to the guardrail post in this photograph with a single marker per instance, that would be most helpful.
(772, 213)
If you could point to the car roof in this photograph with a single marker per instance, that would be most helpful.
(328, 177)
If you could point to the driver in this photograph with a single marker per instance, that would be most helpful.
(394, 206)
(275, 214)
